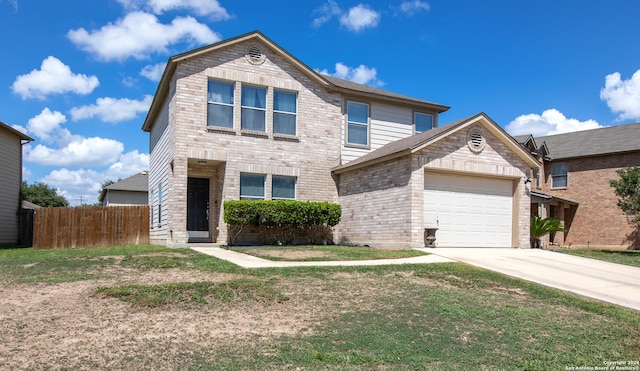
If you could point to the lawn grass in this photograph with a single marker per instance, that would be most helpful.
(27, 265)
(444, 316)
(327, 253)
(190, 293)
(626, 257)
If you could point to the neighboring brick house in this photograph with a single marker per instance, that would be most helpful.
(11, 142)
(126, 192)
(573, 183)
(244, 119)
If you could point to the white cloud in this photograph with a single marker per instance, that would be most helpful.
(128, 164)
(83, 185)
(139, 34)
(210, 8)
(412, 7)
(360, 17)
(153, 71)
(112, 109)
(79, 151)
(361, 74)
(325, 13)
(622, 96)
(129, 81)
(20, 128)
(550, 122)
(26, 173)
(53, 77)
(46, 124)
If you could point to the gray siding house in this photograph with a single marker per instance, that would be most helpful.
(126, 192)
(11, 142)
(245, 119)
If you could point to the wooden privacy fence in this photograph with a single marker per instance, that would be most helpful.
(90, 226)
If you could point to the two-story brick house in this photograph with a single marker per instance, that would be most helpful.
(572, 184)
(245, 119)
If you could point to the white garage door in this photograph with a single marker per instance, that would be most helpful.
(468, 211)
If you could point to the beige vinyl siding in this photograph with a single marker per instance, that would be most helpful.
(10, 178)
(159, 169)
(387, 124)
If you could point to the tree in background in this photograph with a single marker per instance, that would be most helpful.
(42, 195)
(627, 188)
(105, 184)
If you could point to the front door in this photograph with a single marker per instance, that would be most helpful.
(198, 208)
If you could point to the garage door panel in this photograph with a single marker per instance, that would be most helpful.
(468, 211)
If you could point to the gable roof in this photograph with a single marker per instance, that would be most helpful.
(329, 82)
(594, 142)
(18, 133)
(135, 183)
(419, 141)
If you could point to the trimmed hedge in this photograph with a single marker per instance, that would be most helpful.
(286, 215)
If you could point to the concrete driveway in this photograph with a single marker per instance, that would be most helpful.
(608, 282)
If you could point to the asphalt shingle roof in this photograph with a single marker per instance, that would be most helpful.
(136, 183)
(594, 142)
(406, 144)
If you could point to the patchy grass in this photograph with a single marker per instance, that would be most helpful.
(626, 257)
(326, 253)
(186, 293)
(69, 265)
(433, 316)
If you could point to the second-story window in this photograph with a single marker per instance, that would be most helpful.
(220, 104)
(284, 112)
(253, 108)
(357, 123)
(559, 175)
(422, 122)
(536, 177)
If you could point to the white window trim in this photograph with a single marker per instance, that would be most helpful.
(566, 175)
(295, 114)
(264, 110)
(367, 125)
(264, 187)
(233, 98)
(415, 127)
(295, 187)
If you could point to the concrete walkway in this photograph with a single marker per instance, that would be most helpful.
(595, 279)
(248, 261)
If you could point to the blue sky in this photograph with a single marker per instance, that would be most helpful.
(78, 76)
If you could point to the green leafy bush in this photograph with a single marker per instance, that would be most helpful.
(285, 218)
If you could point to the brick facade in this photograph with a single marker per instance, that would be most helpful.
(383, 204)
(597, 220)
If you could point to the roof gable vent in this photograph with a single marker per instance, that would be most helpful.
(476, 140)
(254, 54)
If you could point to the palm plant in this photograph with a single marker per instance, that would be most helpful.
(541, 227)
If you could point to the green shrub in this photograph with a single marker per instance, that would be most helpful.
(284, 217)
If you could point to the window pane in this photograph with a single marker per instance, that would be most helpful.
(559, 169)
(284, 101)
(253, 119)
(254, 97)
(220, 92)
(559, 181)
(357, 134)
(358, 112)
(284, 123)
(251, 186)
(283, 187)
(423, 122)
(219, 115)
